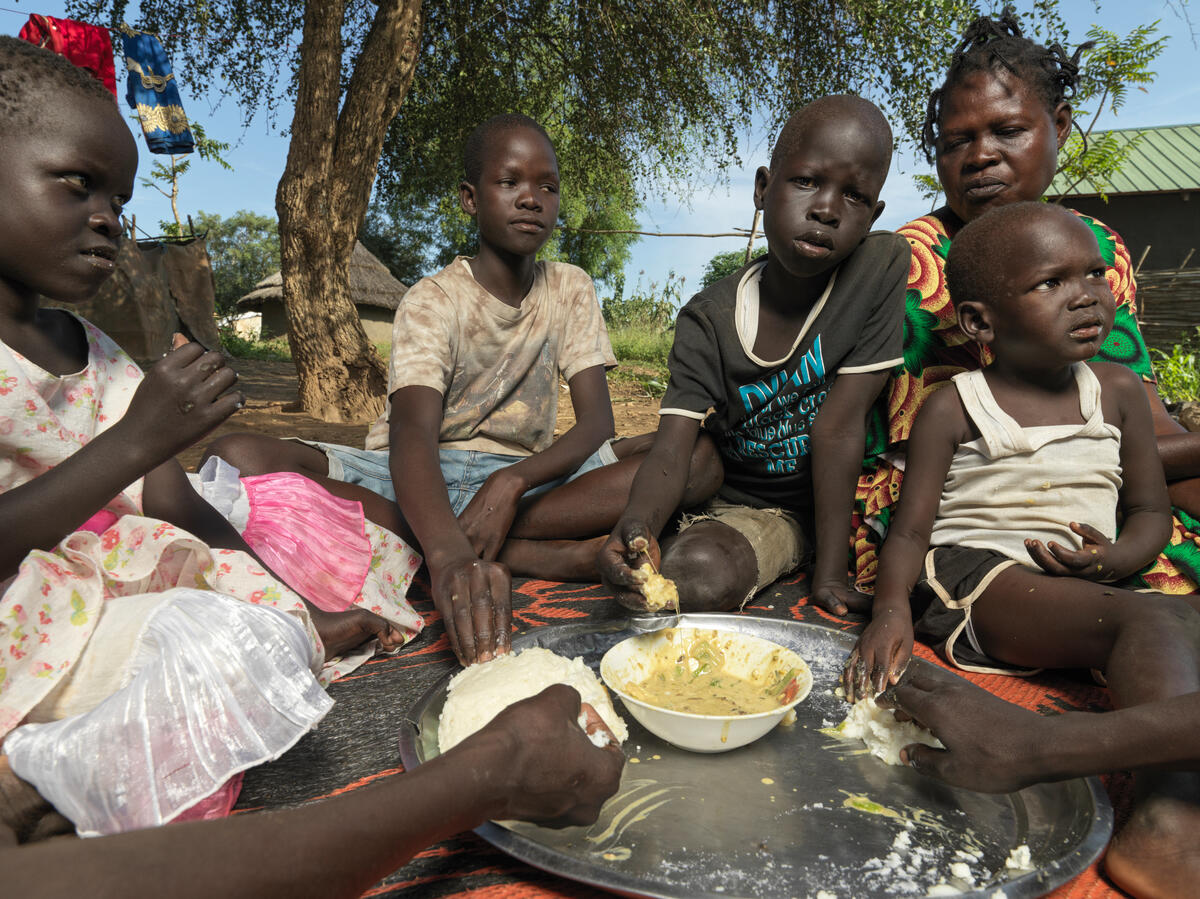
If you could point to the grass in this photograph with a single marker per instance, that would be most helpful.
(640, 348)
(274, 350)
(1177, 372)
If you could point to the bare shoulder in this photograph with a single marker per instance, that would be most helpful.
(1118, 379)
(943, 416)
(1122, 395)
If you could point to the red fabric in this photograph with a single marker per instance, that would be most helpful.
(88, 46)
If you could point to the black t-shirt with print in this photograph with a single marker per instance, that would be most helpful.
(763, 410)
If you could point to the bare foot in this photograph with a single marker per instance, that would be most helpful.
(1157, 853)
(344, 631)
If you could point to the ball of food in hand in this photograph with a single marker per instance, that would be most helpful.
(660, 592)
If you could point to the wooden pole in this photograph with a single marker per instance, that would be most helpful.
(1141, 259)
(750, 242)
(1182, 266)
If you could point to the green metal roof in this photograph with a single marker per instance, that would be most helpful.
(1166, 159)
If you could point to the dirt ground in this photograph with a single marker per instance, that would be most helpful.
(272, 408)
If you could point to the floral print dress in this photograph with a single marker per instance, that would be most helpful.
(936, 349)
(49, 609)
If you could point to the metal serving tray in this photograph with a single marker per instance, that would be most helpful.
(797, 813)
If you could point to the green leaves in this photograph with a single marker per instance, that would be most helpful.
(1107, 72)
(244, 249)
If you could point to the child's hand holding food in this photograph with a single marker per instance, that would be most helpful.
(881, 654)
(627, 549)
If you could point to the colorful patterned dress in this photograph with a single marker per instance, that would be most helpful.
(49, 610)
(936, 349)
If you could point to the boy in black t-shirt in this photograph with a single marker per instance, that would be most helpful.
(815, 328)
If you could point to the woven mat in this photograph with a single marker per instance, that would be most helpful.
(357, 742)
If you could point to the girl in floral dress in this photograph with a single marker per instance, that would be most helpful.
(109, 554)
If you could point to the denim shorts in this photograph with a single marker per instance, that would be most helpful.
(463, 470)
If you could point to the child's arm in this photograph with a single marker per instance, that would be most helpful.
(885, 646)
(657, 490)
(488, 517)
(1146, 526)
(839, 437)
(182, 398)
(473, 595)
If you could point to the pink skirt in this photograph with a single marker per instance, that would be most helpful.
(314, 541)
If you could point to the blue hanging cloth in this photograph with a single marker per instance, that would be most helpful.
(152, 92)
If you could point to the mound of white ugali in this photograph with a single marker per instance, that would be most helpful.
(479, 693)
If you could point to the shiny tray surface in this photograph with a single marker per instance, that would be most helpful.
(797, 813)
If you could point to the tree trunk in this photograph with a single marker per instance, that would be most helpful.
(323, 194)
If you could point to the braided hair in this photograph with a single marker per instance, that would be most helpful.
(989, 44)
(27, 72)
(479, 140)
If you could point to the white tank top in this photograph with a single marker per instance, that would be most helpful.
(1015, 483)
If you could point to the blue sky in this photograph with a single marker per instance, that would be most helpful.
(259, 153)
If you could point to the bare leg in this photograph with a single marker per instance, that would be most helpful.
(592, 504)
(554, 560)
(1149, 648)
(254, 454)
(1186, 495)
(712, 565)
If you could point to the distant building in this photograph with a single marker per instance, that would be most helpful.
(1153, 199)
(375, 292)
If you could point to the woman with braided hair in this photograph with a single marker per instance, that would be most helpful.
(994, 129)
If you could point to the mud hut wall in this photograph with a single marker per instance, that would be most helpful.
(376, 321)
(274, 319)
(190, 280)
(134, 306)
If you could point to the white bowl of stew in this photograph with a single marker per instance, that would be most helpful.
(706, 690)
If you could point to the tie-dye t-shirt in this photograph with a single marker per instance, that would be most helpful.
(496, 366)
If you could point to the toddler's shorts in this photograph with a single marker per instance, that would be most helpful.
(956, 576)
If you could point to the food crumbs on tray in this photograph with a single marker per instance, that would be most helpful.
(1020, 859)
(768, 780)
(962, 871)
(861, 803)
(943, 889)
(617, 854)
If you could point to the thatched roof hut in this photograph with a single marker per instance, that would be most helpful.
(375, 293)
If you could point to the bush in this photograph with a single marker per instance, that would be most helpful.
(642, 325)
(1178, 377)
(650, 308)
(274, 350)
(726, 264)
